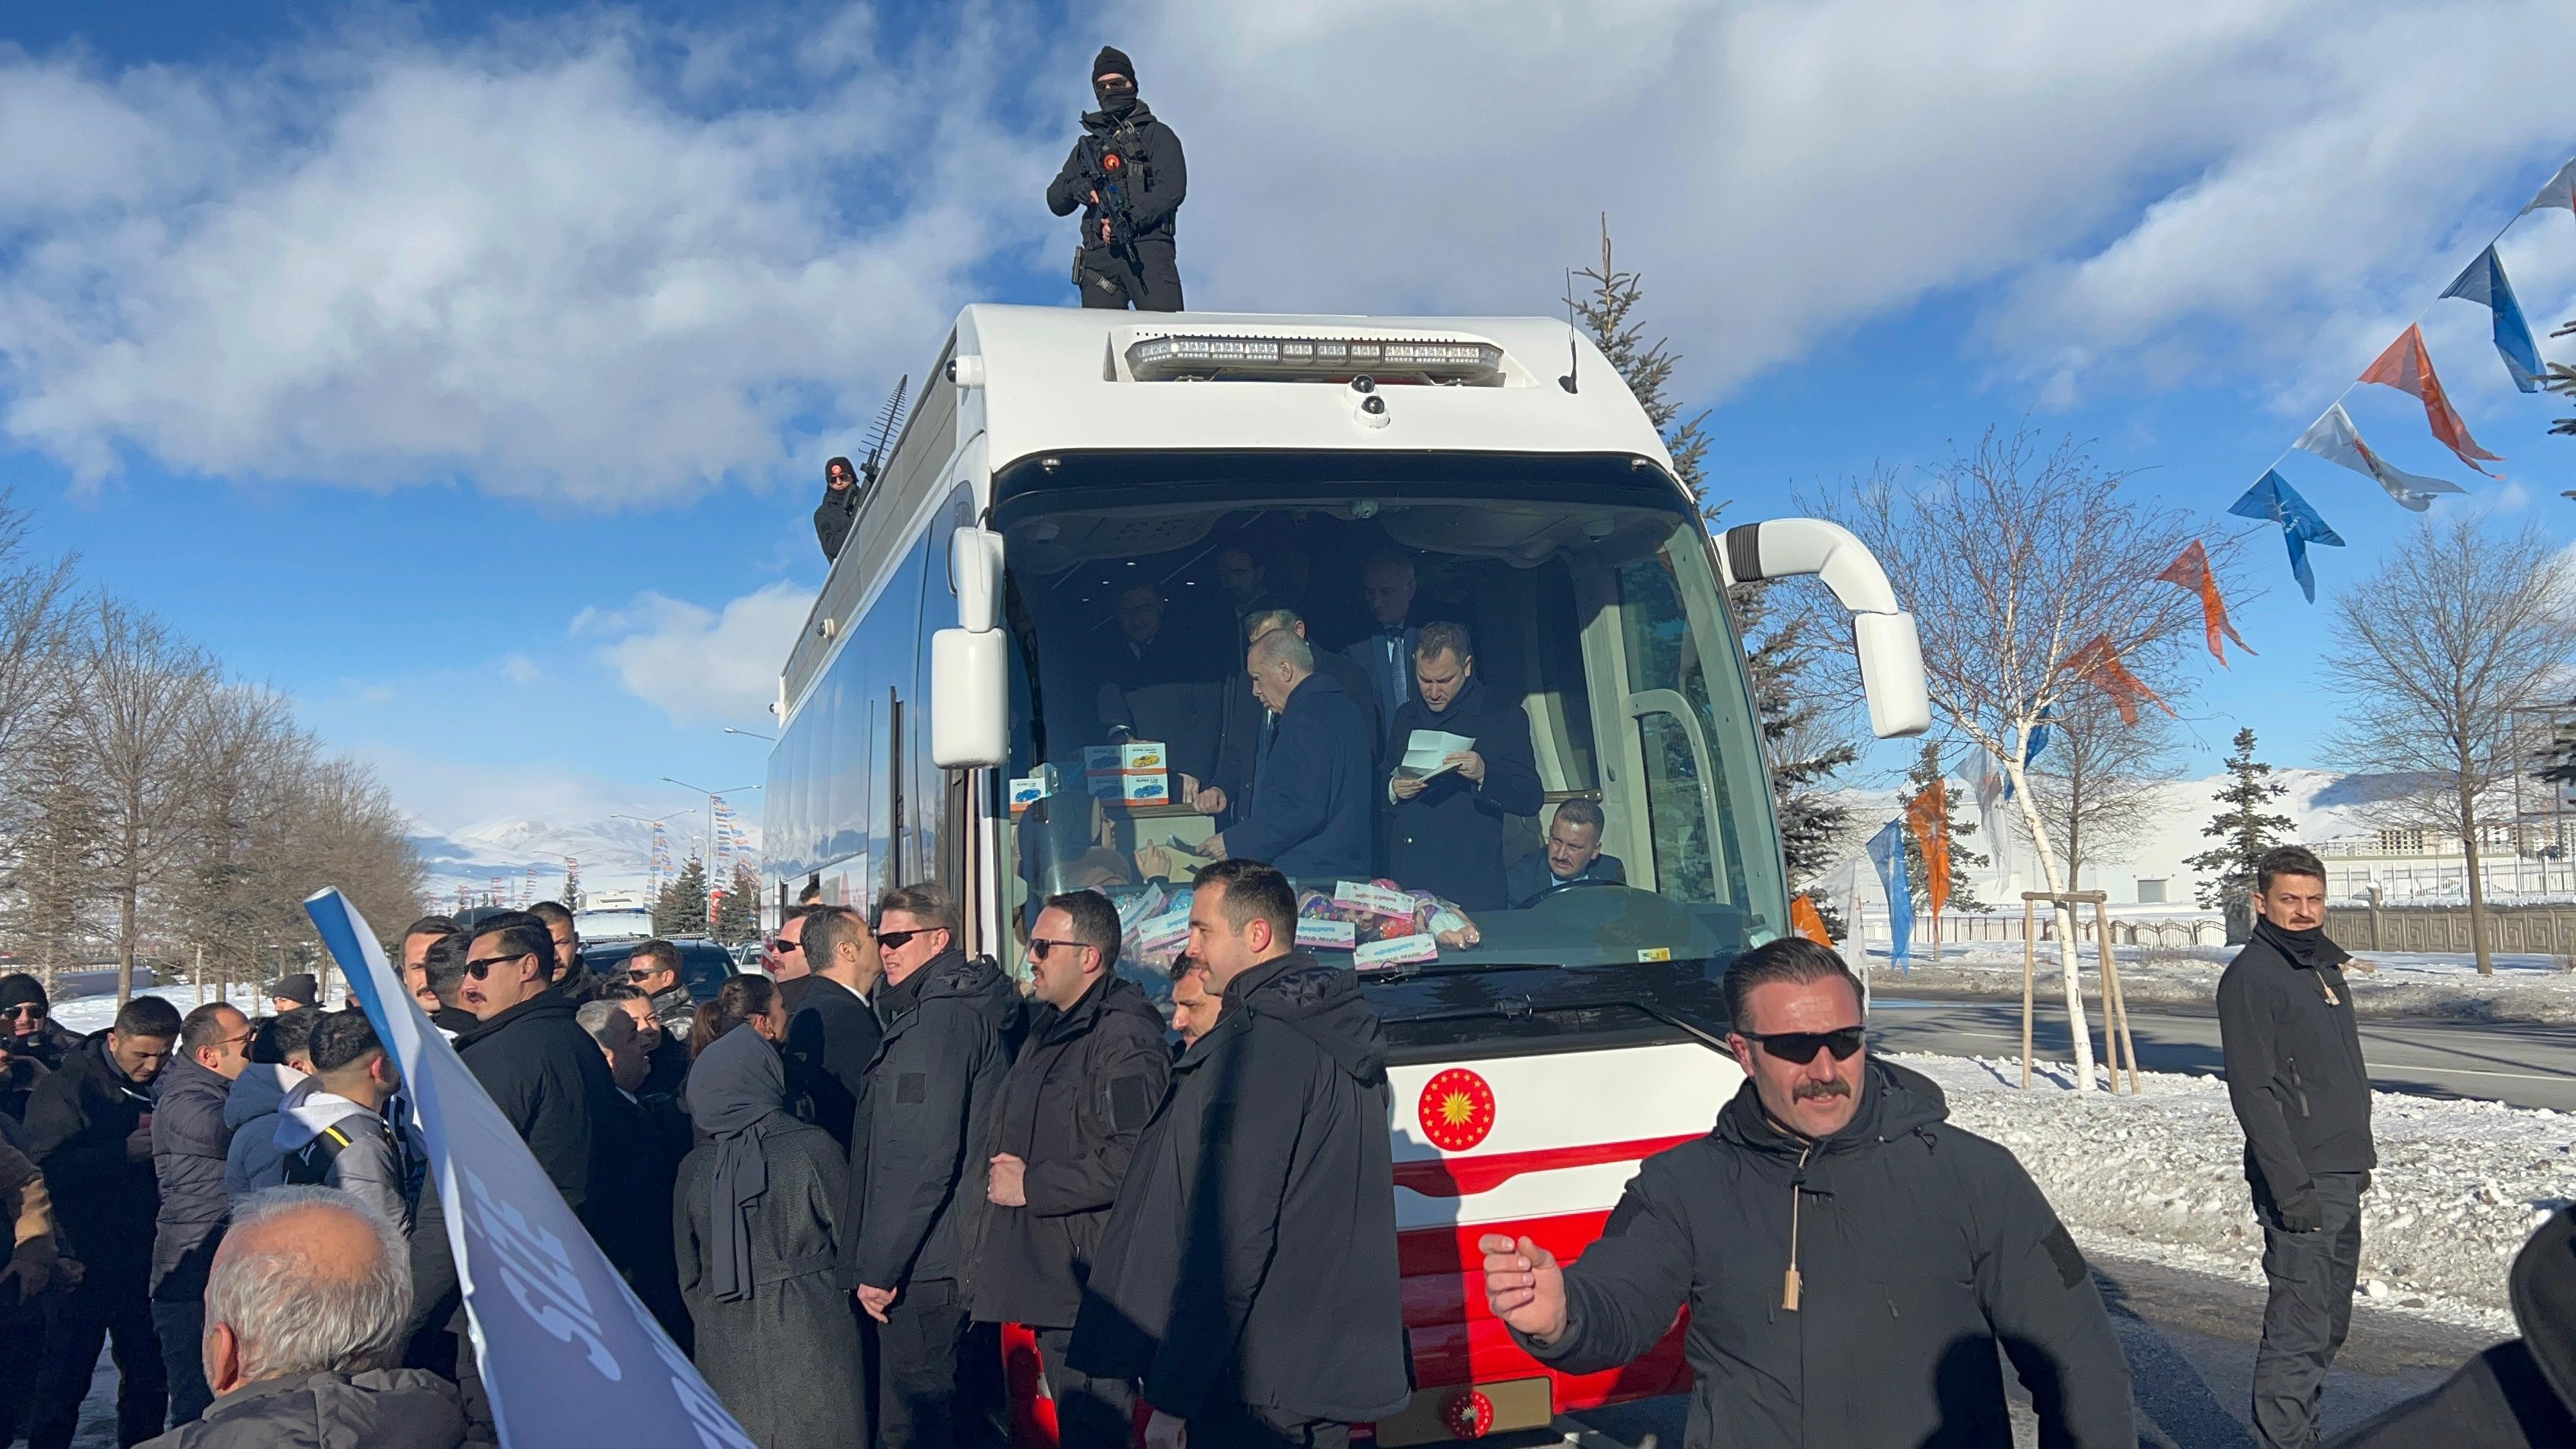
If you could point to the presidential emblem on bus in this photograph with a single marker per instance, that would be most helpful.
(1457, 1109)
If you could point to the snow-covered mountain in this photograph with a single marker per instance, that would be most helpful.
(615, 854)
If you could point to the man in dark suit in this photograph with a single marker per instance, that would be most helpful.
(1573, 856)
(1449, 826)
(1309, 815)
(834, 1034)
(1387, 583)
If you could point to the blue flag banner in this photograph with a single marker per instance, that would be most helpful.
(2275, 500)
(1887, 852)
(2484, 283)
(568, 1354)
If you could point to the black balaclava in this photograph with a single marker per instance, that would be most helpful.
(1113, 61)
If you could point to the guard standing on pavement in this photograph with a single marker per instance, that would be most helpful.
(1075, 1102)
(1127, 175)
(2302, 1093)
(1850, 1259)
(1248, 1274)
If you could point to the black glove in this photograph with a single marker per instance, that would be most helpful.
(2300, 1212)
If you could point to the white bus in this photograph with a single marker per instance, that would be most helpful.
(953, 708)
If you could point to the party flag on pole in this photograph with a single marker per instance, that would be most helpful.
(1807, 921)
(1887, 852)
(2407, 367)
(2483, 282)
(1928, 815)
(2334, 438)
(2560, 192)
(2098, 664)
(2191, 574)
(2273, 498)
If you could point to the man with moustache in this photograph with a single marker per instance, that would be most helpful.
(1833, 1219)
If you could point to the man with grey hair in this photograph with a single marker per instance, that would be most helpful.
(1310, 803)
(305, 1311)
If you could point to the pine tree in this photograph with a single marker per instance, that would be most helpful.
(738, 916)
(2243, 826)
(572, 885)
(1779, 647)
(682, 910)
(1918, 877)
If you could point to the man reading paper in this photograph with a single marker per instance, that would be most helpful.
(1449, 826)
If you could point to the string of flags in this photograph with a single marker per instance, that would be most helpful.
(1887, 852)
(2190, 572)
(2407, 365)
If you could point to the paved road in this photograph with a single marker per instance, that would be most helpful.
(2517, 1062)
(2190, 1340)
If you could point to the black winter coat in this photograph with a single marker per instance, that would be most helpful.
(2294, 1070)
(1251, 1254)
(547, 1076)
(1164, 175)
(833, 517)
(189, 1140)
(1310, 806)
(1072, 1107)
(17, 1081)
(1919, 1247)
(87, 1128)
(2520, 1394)
(830, 1041)
(1449, 838)
(924, 1126)
(383, 1409)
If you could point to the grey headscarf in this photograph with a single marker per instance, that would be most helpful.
(733, 1088)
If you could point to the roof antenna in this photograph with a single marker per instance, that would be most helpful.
(1573, 346)
(887, 418)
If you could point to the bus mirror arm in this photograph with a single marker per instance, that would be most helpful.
(1883, 636)
(969, 675)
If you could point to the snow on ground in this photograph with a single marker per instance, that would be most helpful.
(2161, 1176)
(89, 1013)
(2384, 983)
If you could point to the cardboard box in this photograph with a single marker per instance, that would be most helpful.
(1137, 757)
(1153, 789)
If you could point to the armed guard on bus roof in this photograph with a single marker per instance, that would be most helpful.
(1127, 175)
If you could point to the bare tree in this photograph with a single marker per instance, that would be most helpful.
(2101, 780)
(2433, 655)
(138, 684)
(57, 850)
(2031, 573)
(244, 763)
(34, 624)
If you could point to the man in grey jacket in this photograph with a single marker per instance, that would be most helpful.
(304, 1313)
(334, 1132)
(189, 1140)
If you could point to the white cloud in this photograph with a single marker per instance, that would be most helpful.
(521, 259)
(520, 669)
(696, 665)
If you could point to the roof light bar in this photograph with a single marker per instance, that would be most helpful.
(1315, 359)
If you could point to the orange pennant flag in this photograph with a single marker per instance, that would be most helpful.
(1807, 921)
(1928, 815)
(2407, 367)
(2191, 574)
(2099, 664)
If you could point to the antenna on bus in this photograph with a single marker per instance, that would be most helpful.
(1573, 347)
(889, 418)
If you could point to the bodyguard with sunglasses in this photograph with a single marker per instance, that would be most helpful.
(1850, 1259)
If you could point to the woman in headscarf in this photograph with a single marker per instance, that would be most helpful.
(757, 1231)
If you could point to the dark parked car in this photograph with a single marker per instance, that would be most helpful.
(704, 965)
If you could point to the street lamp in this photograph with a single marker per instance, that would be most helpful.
(751, 734)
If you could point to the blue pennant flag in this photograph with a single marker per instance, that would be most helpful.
(2274, 499)
(2038, 741)
(1887, 852)
(2484, 283)
(569, 1355)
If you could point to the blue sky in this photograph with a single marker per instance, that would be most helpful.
(465, 371)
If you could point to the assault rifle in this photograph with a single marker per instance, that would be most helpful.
(1110, 174)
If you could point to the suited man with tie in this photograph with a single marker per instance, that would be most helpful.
(1387, 651)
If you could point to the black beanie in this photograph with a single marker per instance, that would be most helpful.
(20, 989)
(1112, 61)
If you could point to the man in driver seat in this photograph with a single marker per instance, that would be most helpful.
(1572, 857)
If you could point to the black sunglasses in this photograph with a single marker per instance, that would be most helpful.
(1800, 1047)
(893, 940)
(479, 969)
(783, 946)
(1040, 945)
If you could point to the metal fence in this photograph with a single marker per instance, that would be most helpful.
(2194, 930)
(2539, 930)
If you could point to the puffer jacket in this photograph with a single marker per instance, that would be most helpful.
(250, 1111)
(380, 1409)
(86, 1129)
(361, 1155)
(189, 1139)
(920, 1140)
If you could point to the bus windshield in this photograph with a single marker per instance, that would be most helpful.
(1542, 752)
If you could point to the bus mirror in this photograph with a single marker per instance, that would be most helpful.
(975, 575)
(969, 698)
(1891, 674)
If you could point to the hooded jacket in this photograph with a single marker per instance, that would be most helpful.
(1310, 805)
(2292, 1051)
(85, 1129)
(1449, 838)
(2520, 1394)
(1164, 173)
(189, 1140)
(250, 1113)
(923, 1126)
(1251, 1254)
(381, 1409)
(832, 519)
(1918, 1246)
(359, 1155)
(1072, 1107)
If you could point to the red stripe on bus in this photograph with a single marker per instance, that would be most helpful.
(1485, 1171)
